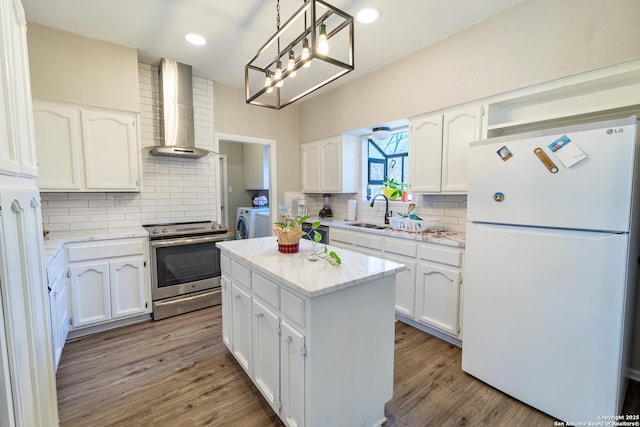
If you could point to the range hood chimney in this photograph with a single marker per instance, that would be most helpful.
(176, 94)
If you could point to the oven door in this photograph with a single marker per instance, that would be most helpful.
(183, 265)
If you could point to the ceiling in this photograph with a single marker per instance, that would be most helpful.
(235, 29)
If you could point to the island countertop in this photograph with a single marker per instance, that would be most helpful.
(300, 274)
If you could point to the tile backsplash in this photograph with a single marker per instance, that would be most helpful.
(173, 189)
(451, 209)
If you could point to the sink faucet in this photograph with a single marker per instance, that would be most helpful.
(386, 206)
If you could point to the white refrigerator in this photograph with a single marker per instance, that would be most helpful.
(551, 266)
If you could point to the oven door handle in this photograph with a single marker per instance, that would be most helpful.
(186, 241)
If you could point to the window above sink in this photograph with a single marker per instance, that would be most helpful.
(387, 159)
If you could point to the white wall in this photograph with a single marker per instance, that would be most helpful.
(532, 42)
(173, 190)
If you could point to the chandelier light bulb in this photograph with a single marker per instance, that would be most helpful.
(291, 64)
(268, 83)
(278, 75)
(323, 43)
(305, 53)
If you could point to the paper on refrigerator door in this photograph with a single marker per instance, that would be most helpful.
(567, 151)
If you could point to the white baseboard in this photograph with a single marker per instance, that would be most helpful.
(81, 332)
(428, 329)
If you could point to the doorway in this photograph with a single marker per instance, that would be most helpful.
(247, 176)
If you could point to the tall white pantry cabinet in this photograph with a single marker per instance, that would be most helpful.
(27, 381)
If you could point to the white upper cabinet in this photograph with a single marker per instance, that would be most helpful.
(461, 127)
(17, 145)
(425, 153)
(310, 167)
(331, 165)
(439, 149)
(86, 149)
(110, 150)
(59, 144)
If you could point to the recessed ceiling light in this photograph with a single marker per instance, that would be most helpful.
(195, 39)
(368, 15)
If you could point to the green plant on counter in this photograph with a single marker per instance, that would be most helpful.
(314, 236)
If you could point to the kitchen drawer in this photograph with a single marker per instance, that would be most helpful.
(368, 241)
(55, 267)
(105, 249)
(400, 247)
(240, 274)
(340, 235)
(265, 289)
(293, 307)
(440, 254)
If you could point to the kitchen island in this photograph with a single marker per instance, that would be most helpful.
(316, 339)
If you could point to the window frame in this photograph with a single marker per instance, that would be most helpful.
(385, 159)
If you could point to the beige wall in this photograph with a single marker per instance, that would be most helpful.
(532, 42)
(235, 116)
(72, 68)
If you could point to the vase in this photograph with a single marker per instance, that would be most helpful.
(288, 248)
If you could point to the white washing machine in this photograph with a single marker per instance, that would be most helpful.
(246, 222)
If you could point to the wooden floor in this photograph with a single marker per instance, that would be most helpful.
(177, 372)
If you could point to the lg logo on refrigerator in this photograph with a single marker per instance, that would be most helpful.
(610, 131)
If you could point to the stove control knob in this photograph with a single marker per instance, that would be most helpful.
(165, 230)
(155, 231)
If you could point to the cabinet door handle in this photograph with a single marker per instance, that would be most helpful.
(259, 315)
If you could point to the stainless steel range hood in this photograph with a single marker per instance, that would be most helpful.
(176, 94)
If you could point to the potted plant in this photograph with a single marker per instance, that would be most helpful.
(290, 232)
(392, 189)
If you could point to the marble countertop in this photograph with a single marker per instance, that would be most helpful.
(55, 239)
(306, 277)
(450, 238)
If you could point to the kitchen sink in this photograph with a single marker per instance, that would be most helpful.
(365, 225)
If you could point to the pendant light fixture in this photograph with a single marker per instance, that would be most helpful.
(309, 35)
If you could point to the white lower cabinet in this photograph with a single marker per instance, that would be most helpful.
(341, 238)
(226, 309)
(366, 243)
(429, 291)
(58, 304)
(292, 366)
(91, 301)
(267, 347)
(266, 352)
(59, 318)
(108, 280)
(438, 296)
(241, 326)
(128, 296)
(300, 351)
(405, 285)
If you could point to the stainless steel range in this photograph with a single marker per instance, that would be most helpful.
(185, 266)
